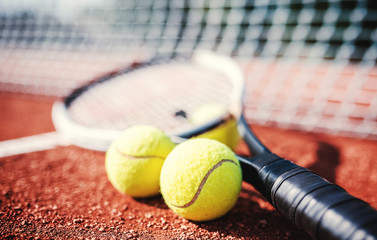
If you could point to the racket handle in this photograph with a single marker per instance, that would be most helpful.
(324, 210)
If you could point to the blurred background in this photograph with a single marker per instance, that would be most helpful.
(310, 64)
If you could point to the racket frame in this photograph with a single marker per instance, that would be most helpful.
(99, 139)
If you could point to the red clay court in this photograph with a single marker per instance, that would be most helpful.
(65, 193)
(311, 87)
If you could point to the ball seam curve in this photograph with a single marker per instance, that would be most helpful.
(202, 183)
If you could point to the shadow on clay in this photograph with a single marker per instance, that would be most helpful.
(154, 201)
(328, 159)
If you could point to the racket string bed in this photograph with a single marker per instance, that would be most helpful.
(150, 94)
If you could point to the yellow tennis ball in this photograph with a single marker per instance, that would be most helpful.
(201, 179)
(134, 160)
(226, 133)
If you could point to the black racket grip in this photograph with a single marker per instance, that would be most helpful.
(324, 210)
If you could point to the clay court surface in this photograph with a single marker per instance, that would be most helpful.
(64, 192)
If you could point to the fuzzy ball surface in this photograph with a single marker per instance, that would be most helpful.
(134, 160)
(226, 133)
(201, 179)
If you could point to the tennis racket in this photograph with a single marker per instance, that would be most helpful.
(158, 92)
(165, 91)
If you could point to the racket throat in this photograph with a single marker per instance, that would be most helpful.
(255, 146)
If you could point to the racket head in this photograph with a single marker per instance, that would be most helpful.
(163, 92)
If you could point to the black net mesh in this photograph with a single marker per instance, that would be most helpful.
(310, 64)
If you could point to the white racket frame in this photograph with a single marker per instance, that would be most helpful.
(69, 132)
